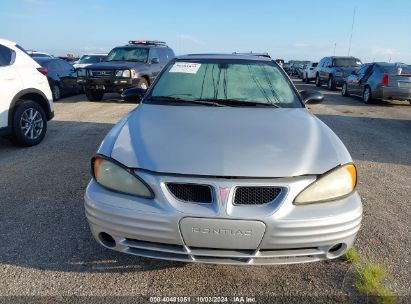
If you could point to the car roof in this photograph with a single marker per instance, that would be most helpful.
(224, 56)
(338, 57)
(95, 54)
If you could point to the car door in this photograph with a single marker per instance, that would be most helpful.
(320, 66)
(10, 82)
(70, 75)
(63, 74)
(363, 78)
(324, 69)
(155, 68)
(356, 87)
(162, 52)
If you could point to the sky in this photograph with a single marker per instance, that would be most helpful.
(287, 29)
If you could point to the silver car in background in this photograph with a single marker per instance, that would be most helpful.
(379, 80)
(309, 72)
(223, 163)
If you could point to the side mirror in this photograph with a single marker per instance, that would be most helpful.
(311, 97)
(133, 94)
(354, 73)
(155, 60)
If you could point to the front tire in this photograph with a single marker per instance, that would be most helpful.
(94, 95)
(317, 81)
(367, 95)
(29, 124)
(142, 84)
(344, 90)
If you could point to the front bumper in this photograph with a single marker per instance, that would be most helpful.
(109, 85)
(291, 234)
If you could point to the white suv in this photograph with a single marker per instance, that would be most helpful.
(309, 72)
(26, 102)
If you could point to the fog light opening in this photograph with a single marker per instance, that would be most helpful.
(107, 240)
(336, 250)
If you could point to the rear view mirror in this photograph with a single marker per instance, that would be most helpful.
(310, 97)
(133, 94)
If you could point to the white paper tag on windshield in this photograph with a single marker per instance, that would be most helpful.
(185, 67)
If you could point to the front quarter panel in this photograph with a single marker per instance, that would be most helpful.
(107, 145)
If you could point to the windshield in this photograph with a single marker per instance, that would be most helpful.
(347, 62)
(91, 59)
(128, 54)
(236, 83)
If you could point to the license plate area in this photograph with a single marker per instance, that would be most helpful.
(221, 233)
(100, 87)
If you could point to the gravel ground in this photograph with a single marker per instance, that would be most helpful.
(47, 249)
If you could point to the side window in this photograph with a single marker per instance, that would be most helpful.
(321, 63)
(330, 62)
(363, 69)
(154, 53)
(163, 55)
(170, 54)
(368, 71)
(6, 56)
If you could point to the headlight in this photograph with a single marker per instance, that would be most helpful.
(123, 73)
(118, 178)
(337, 183)
(339, 74)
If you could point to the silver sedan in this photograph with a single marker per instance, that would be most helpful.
(223, 163)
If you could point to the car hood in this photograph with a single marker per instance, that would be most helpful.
(115, 65)
(81, 65)
(225, 141)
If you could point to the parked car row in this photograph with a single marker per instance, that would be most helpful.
(30, 81)
(370, 81)
(295, 67)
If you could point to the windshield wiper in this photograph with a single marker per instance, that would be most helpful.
(243, 103)
(185, 101)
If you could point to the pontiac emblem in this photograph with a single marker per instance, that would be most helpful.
(224, 194)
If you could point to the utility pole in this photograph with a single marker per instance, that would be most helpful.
(352, 29)
(335, 46)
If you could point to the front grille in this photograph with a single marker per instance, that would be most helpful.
(255, 195)
(101, 73)
(191, 192)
